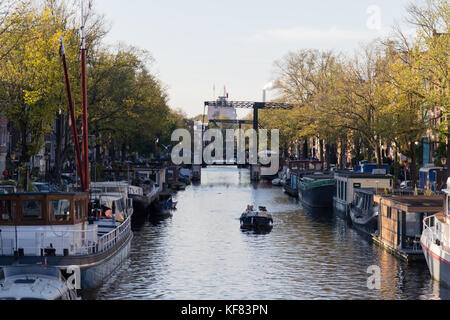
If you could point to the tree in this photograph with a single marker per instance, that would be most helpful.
(433, 41)
(28, 75)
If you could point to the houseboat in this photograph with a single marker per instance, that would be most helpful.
(34, 283)
(311, 165)
(120, 189)
(435, 242)
(173, 179)
(364, 211)
(163, 207)
(317, 191)
(58, 230)
(291, 185)
(401, 223)
(347, 182)
(297, 169)
(432, 178)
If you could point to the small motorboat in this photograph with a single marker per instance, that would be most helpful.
(35, 282)
(256, 219)
(164, 206)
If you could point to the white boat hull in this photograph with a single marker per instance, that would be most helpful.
(437, 259)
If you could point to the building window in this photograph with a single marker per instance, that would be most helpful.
(389, 213)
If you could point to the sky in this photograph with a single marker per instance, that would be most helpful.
(199, 45)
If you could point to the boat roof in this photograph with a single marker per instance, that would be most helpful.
(110, 184)
(31, 283)
(418, 201)
(428, 169)
(369, 191)
(319, 176)
(70, 194)
(361, 175)
(108, 196)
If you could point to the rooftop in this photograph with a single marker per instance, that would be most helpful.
(418, 201)
(360, 175)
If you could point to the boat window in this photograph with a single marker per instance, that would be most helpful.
(345, 191)
(120, 207)
(361, 203)
(448, 205)
(389, 212)
(76, 208)
(32, 210)
(7, 210)
(8, 299)
(113, 190)
(80, 210)
(366, 202)
(413, 224)
(60, 210)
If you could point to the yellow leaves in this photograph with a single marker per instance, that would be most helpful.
(32, 97)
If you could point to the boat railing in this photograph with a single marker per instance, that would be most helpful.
(436, 230)
(109, 240)
(58, 242)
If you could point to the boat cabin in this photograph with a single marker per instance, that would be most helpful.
(363, 201)
(305, 165)
(401, 223)
(432, 178)
(156, 173)
(43, 209)
(291, 185)
(35, 224)
(348, 182)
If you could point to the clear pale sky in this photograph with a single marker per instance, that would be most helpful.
(201, 43)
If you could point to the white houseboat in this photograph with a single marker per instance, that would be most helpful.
(435, 242)
(347, 182)
(57, 229)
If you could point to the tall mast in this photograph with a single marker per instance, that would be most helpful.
(84, 103)
(72, 112)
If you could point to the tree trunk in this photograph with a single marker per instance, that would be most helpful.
(413, 164)
(379, 157)
(124, 150)
(342, 155)
(396, 169)
(322, 158)
(327, 155)
(448, 155)
(305, 149)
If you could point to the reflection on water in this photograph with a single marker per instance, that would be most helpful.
(201, 253)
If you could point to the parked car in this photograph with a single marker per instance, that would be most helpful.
(406, 185)
(44, 187)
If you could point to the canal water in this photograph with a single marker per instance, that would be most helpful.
(201, 254)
